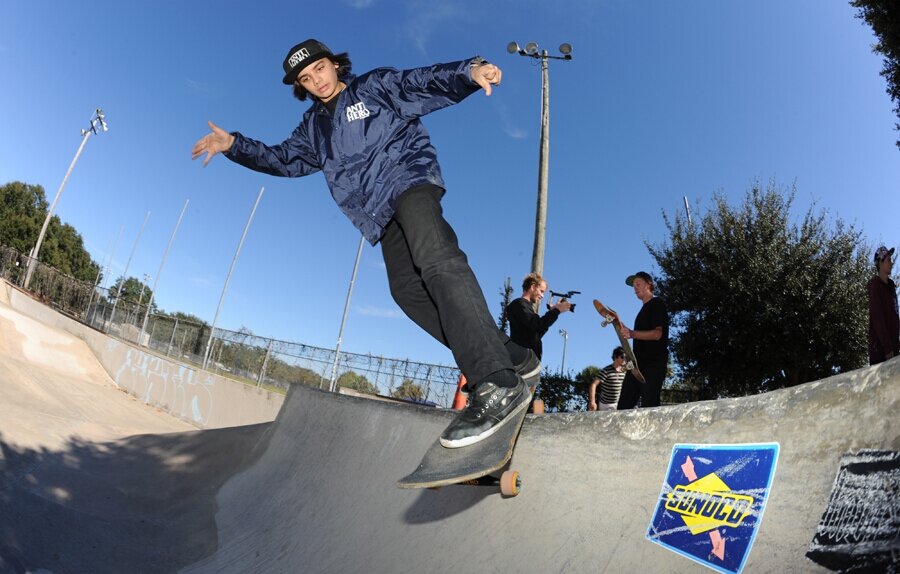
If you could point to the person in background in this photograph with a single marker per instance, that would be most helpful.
(884, 324)
(651, 340)
(526, 327)
(610, 382)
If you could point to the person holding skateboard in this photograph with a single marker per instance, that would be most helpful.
(526, 327)
(365, 135)
(610, 382)
(651, 339)
(884, 324)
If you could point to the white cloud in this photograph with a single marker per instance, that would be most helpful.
(425, 17)
(198, 87)
(509, 125)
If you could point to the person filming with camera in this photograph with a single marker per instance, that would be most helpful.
(526, 327)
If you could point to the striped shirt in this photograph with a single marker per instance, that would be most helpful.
(610, 384)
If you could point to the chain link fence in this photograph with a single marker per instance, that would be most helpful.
(241, 355)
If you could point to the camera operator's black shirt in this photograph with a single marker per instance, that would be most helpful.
(526, 327)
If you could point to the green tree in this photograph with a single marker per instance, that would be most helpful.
(133, 290)
(759, 303)
(353, 380)
(278, 370)
(884, 18)
(23, 208)
(409, 390)
(506, 297)
(238, 354)
(562, 392)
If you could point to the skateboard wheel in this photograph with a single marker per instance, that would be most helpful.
(537, 407)
(604, 323)
(510, 483)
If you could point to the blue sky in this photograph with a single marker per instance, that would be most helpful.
(662, 100)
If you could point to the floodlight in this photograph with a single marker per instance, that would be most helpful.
(531, 48)
(512, 47)
(565, 49)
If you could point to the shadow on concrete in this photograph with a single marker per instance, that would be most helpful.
(143, 504)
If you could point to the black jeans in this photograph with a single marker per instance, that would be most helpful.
(431, 281)
(648, 392)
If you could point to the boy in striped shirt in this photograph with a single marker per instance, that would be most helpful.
(610, 382)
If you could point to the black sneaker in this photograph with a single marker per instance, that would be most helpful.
(529, 369)
(489, 408)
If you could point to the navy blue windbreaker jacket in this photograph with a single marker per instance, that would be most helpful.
(374, 148)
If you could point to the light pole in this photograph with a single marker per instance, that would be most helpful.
(112, 315)
(228, 278)
(337, 350)
(565, 336)
(540, 223)
(158, 273)
(97, 119)
(137, 310)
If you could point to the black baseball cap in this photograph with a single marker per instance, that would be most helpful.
(302, 55)
(883, 253)
(642, 274)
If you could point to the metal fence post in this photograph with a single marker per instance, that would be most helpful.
(262, 369)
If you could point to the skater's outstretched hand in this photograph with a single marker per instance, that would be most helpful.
(485, 75)
(212, 143)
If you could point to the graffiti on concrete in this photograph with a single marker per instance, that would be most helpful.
(176, 389)
(860, 529)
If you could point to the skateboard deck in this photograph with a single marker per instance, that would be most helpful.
(443, 466)
(611, 317)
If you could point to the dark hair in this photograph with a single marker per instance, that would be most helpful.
(618, 352)
(344, 67)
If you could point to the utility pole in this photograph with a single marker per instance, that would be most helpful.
(97, 119)
(540, 224)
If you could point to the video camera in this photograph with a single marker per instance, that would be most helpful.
(564, 296)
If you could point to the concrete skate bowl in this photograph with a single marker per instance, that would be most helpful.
(322, 497)
(315, 491)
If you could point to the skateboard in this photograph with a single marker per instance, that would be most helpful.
(473, 465)
(611, 317)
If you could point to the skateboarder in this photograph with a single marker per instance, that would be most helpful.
(884, 324)
(651, 339)
(610, 382)
(364, 134)
(526, 327)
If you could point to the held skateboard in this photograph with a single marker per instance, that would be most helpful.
(471, 465)
(611, 317)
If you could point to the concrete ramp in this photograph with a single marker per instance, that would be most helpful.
(322, 497)
(94, 480)
(52, 388)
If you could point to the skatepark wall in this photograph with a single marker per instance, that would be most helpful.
(591, 482)
(203, 399)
